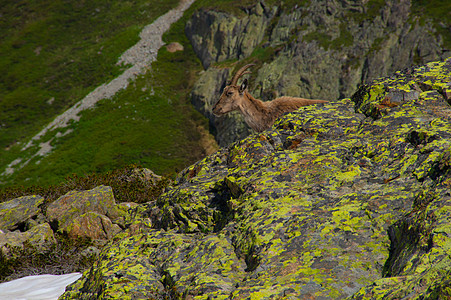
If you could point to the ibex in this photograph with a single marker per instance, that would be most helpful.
(258, 115)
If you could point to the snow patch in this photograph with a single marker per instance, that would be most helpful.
(39, 287)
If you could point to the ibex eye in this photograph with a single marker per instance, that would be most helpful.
(229, 93)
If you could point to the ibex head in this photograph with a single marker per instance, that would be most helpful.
(232, 95)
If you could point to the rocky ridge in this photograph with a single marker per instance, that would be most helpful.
(93, 214)
(350, 199)
(318, 50)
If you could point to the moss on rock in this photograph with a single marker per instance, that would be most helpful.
(16, 212)
(303, 209)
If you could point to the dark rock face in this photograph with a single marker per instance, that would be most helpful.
(349, 199)
(319, 50)
(218, 36)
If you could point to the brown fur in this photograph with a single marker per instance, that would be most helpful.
(258, 115)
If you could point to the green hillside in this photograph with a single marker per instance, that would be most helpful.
(54, 53)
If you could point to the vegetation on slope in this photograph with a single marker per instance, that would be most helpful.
(150, 123)
(52, 53)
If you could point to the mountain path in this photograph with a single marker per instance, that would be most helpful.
(140, 56)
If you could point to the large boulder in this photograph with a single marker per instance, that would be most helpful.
(92, 225)
(350, 199)
(87, 213)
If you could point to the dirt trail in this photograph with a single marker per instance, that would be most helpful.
(140, 57)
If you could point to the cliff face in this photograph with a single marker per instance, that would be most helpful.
(320, 50)
(218, 36)
(349, 199)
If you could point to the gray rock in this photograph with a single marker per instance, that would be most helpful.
(350, 200)
(40, 236)
(17, 212)
(87, 213)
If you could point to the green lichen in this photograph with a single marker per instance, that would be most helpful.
(303, 209)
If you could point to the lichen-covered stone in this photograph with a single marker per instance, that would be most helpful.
(40, 237)
(347, 200)
(68, 210)
(14, 213)
(92, 225)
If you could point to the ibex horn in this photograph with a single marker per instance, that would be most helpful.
(240, 73)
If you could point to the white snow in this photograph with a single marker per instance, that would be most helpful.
(39, 287)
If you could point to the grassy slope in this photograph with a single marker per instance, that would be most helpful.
(155, 130)
(61, 50)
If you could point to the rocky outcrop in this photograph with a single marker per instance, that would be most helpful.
(218, 36)
(319, 50)
(22, 221)
(41, 234)
(86, 214)
(91, 214)
(350, 199)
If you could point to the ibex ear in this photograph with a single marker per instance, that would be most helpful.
(243, 86)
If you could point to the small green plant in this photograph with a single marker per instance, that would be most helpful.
(372, 10)
(322, 38)
(344, 40)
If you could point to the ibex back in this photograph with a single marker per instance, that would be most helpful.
(258, 115)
